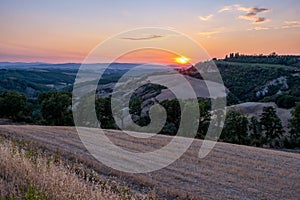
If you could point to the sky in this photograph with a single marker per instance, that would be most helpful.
(59, 31)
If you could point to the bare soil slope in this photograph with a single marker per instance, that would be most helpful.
(228, 172)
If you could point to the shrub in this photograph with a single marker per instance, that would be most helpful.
(285, 101)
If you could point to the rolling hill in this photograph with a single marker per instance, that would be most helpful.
(228, 172)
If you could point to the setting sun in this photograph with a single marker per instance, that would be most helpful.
(182, 60)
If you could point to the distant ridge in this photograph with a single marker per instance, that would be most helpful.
(41, 65)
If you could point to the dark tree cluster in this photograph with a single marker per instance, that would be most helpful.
(15, 106)
(55, 108)
(265, 131)
(294, 140)
(51, 108)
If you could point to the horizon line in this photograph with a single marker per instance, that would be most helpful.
(58, 63)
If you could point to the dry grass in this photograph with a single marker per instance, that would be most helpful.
(30, 175)
(228, 172)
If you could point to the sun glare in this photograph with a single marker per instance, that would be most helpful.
(182, 60)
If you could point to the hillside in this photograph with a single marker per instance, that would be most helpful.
(251, 109)
(259, 81)
(228, 172)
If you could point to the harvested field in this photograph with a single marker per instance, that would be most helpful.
(228, 172)
(26, 174)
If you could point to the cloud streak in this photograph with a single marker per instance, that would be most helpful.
(254, 19)
(209, 33)
(285, 25)
(251, 15)
(251, 9)
(205, 18)
(259, 28)
(150, 37)
(225, 8)
(291, 24)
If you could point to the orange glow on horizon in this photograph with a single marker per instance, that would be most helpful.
(153, 56)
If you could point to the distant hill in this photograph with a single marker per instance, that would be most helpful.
(39, 65)
(33, 81)
(34, 78)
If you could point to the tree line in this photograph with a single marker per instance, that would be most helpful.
(51, 108)
(55, 108)
(273, 58)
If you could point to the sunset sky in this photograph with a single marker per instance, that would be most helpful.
(59, 31)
